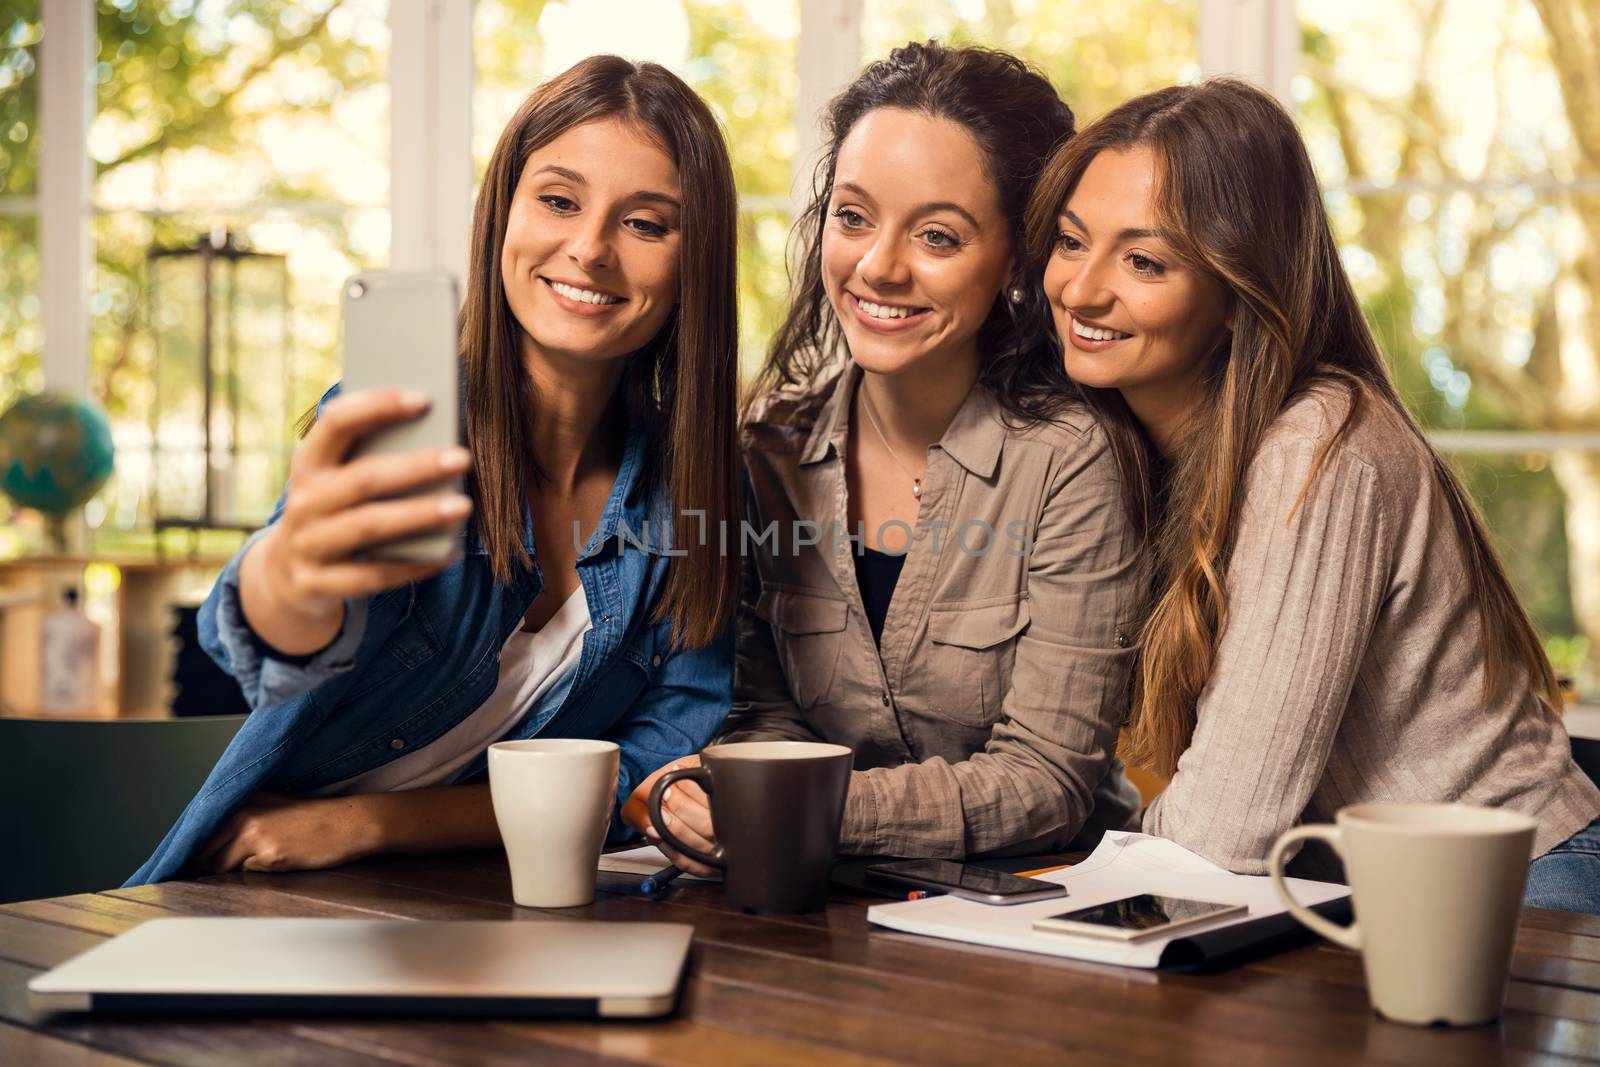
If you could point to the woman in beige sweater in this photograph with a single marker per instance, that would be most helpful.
(1330, 624)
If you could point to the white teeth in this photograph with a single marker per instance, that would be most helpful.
(1092, 333)
(884, 311)
(587, 296)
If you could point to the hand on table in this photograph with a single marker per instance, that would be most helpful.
(687, 811)
(279, 833)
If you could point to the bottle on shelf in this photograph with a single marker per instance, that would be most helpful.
(69, 659)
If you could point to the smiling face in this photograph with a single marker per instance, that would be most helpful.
(590, 259)
(915, 249)
(1131, 314)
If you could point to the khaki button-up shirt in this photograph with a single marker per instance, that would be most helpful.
(986, 720)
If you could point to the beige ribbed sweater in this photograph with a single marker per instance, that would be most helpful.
(1351, 664)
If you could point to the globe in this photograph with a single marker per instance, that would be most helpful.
(55, 452)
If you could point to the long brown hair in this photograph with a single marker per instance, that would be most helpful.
(1238, 199)
(1016, 118)
(683, 383)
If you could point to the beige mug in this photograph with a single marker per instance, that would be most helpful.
(1437, 892)
(553, 799)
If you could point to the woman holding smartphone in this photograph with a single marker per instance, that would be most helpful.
(599, 393)
(1331, 625)
(950, 586)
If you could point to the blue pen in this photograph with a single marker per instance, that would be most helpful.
(658, 881)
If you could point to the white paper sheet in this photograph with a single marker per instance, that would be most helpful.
(1125, 864)
(643, 861)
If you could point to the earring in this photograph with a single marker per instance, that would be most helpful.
(1017, 294)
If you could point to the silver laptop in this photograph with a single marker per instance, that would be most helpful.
(536, 967)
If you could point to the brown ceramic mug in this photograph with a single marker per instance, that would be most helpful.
(777, 806)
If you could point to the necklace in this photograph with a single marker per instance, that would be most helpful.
(916, 483)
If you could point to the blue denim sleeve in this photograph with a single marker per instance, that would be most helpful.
(265, 679)
(227, 637)
(675, 716)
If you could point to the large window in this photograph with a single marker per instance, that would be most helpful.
(264, 119)
(1463, 186)
(1467, 202)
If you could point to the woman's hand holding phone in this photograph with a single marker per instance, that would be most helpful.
(294, 581)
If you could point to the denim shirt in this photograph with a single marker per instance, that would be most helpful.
(410, 664)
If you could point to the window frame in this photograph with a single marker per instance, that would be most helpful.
(1283, 62)
(431, 74)
(430, 81)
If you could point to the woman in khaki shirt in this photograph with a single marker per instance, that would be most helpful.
(975, 654)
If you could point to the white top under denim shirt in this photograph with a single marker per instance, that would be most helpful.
(536, 671)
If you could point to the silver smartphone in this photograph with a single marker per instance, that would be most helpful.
(1132, 918)
(965, 880)
(399, 331)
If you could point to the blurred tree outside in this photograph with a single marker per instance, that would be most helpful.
(20, 331)
(21, 335)
(1096, 55)
(265, 117)
(1460, 141)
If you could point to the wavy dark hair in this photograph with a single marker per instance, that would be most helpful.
(683, 382)
(1237, 198)
(1017, 120)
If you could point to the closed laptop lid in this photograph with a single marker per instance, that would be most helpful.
(538, 966)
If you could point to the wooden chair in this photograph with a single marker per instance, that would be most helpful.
(84, 802)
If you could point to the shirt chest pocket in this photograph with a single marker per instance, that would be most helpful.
(411, 645)
(809, 631)
(972, 649)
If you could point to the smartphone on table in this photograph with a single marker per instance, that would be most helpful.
(965, 880)
(399, 331)
(1132, 918)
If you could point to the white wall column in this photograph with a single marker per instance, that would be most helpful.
(829, 59)
(1255, 39)
(430, 155)
(66, 105)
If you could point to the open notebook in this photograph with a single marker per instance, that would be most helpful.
(1124, 865)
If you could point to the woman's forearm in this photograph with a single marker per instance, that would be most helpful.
(450, 818)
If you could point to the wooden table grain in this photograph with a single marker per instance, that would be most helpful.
(824, 988)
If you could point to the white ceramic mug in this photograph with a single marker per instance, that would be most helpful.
(553, 799)
(1437, 892)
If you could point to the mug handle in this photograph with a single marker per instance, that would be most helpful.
(1348, 936)
(702, 777)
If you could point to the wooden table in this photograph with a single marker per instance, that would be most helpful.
(803, 990)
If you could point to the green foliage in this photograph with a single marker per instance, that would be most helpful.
(20, 335)
(1096, 55)
(749, 78)
(20, 332)
(1458, 282)
(19, 97)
